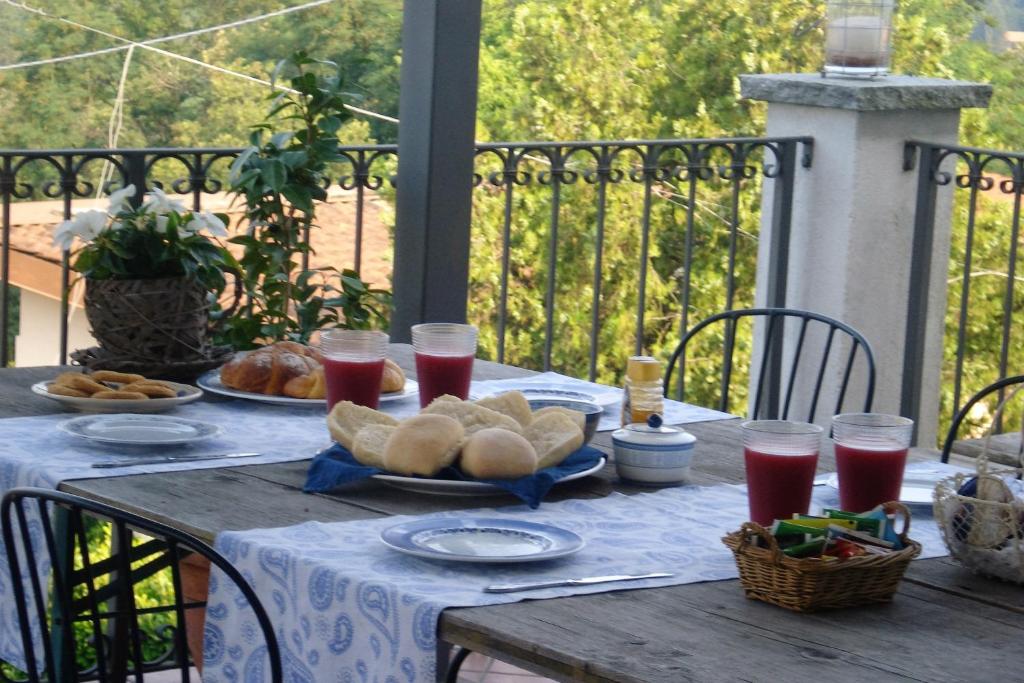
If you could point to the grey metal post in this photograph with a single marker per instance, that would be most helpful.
(437, 107)
(920, 276)
(778, 266)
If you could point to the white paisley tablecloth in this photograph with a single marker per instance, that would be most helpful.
(33, 452)
(348, 609)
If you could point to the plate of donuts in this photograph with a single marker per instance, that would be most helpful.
(106, 391)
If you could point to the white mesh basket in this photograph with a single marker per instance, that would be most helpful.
(983, 525)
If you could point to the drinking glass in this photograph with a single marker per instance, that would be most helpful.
(871, 451)
(444, 359)
(353, 365)
(780, 457)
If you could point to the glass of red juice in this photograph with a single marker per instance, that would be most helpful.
(871, 450)
(444, 359)
(353, 365)
(780, 457)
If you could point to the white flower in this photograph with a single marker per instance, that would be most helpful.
(119, 198)
(86, 226)
(64, 235)
(161, 224)
(204, 220)
(159, 203)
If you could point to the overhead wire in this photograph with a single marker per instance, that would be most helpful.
(148, 44)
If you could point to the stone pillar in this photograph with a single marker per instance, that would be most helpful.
(853, 211)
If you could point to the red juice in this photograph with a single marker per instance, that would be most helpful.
(778, 485)
(868, 477)
(438, 375)
(353, 380)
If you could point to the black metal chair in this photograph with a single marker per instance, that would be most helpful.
(999, 388)
(100, 592)
(773, 399)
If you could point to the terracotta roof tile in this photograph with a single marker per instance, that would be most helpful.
(32, 225)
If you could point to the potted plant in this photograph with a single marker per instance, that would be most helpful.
(281, 177)
(151, 274)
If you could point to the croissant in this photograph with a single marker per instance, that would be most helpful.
(271, 369)
(393, 378)
(313, 385)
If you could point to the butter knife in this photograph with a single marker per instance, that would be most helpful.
(515, 587)
(111, 464)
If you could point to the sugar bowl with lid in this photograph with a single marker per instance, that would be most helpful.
(652, 454)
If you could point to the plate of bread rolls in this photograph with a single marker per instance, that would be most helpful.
(289, 373)
(107, 391)
(498, 437)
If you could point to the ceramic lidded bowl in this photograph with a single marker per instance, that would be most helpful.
(652, 454)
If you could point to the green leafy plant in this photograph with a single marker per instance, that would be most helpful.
(159, 239)
(281, 176)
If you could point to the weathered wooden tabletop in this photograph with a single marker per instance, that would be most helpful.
(944, 625)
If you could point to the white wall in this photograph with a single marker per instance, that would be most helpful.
(38, 340)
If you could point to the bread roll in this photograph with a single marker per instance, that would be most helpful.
(498, 454)
(62, 390)
(113, 395)
(576, 416)
(423, 445)
(510, 403)
(553, 436)
(151, 390)
(346, 419)
(119, 377)
(80, 382)
(471, 416)
(368, 445)
(393, 379)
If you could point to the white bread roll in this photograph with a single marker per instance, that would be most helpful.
(553, 436)
(471, 416)
(368, 446)
(510, 403)
(346, 419)
(423, 445)
(576, 416)
(496, 453)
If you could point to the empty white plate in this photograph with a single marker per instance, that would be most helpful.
(481, 540)
(140, 430)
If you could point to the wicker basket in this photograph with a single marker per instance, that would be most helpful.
(157, 327)
(811, 584)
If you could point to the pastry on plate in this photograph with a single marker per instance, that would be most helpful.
(281, 369)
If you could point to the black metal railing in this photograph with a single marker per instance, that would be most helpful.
(983, 340)
(666, 205)
(77, 174)
(655, 210)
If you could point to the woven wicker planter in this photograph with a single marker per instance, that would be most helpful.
(158, 327)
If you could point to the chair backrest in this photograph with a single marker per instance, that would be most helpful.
(999, 388)
(802, 351)
(49, 529)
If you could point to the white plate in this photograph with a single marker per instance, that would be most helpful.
(578, 392)
(210, 381)
(186, 394)
(917, 487)
(481, 540)
(453, 487)
(140, 430)
(412, 388)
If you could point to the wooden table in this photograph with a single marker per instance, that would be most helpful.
(944, 625)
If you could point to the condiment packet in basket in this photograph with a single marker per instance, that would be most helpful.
(837, 534)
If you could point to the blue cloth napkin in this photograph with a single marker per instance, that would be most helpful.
(336, 466)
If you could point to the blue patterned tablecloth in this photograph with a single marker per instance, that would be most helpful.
(346, 608)
(33, 452)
